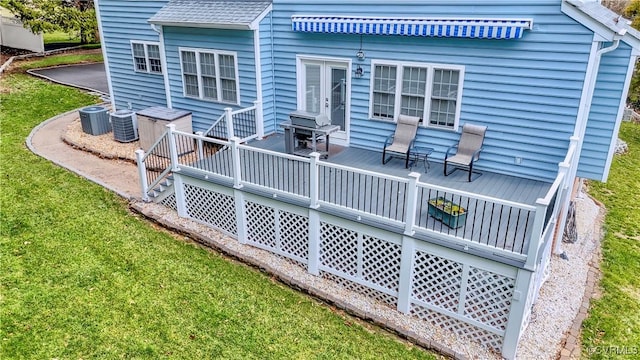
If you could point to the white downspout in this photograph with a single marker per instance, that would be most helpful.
(163, 58)
(581, 128)
(105, 57)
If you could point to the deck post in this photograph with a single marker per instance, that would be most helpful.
(536, 235)
(411, 203)
(406, 264)
(314, 180)
(235, 158)
(228, 118)
(142, 173)
(517, 314)
(313, 265)
(259, 119)
(173, 150)
(241, 219)
(200, 144)
(181, 201)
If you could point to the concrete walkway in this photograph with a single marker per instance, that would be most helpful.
(118, 176)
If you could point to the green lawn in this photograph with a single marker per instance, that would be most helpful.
(612, 329)
(84, 278)
(63, 39)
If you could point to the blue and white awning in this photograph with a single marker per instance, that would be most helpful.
(434, 27)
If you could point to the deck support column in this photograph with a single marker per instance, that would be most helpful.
(406, 264)
(259, 119)
(235, 158)
(173, 149)
(313, 265)
(536, 235)
(181, 201)
(228, 118)
(200, 145)
(142, 172)
(518, 313)
(241, 219)
(411, 203)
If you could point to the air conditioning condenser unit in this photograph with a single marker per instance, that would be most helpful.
(125, 126)
(95, 120)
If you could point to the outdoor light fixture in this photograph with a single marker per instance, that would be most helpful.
(358, 72)
(360, 54)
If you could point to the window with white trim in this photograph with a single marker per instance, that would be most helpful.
(146, 57)
(429, 91)
(210, 75)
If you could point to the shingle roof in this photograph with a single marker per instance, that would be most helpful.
(606, 17)
(232, 14)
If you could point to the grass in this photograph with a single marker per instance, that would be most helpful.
(84, 278)
(63, 39)
(60, 37)
(60, 60)
(612, 329)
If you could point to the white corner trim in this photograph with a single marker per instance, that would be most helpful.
(105, 56)
(255, 24)
(616, 129)
(258, 64)
(165, 72)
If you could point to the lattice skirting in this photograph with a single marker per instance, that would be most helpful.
(212, 208)
(170, 202)
(448, 289)
(277, 230)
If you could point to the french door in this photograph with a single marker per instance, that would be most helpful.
(323, 89)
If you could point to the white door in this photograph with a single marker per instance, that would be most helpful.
(323, 89)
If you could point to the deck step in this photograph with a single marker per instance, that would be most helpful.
(162, 190)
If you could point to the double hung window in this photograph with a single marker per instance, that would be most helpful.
(430, 92)
(210, 75)
(146, 57)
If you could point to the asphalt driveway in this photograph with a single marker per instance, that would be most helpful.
(90, 77)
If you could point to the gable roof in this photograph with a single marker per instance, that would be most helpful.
(603, 21)
(218, 14)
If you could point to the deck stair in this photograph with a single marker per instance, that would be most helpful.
(163, 190)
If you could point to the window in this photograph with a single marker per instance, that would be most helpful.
(146, 57)
(210, 75)
(430, 92)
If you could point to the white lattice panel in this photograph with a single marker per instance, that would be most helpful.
(294, 235)
(381, 262)
(436, 280)
(339, 248)
(170, 202)
(484, 337)
(390, 300)
(215, 209)
(261, 224)
(488, 297)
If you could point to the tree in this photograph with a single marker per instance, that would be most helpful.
(73, 16)
(632, 11)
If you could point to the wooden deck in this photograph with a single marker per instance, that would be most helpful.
(487, 221)
(500, 186)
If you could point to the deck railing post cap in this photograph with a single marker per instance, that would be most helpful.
(171, 126)
(415, 175)
(315, 154)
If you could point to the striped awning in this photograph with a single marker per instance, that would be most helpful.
(434, 27)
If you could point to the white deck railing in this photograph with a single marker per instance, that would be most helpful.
(505, 227)
(245, 124)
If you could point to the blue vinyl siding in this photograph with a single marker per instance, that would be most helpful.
(604, 111)
(526, 91)
(123, 21)
(240, 41)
